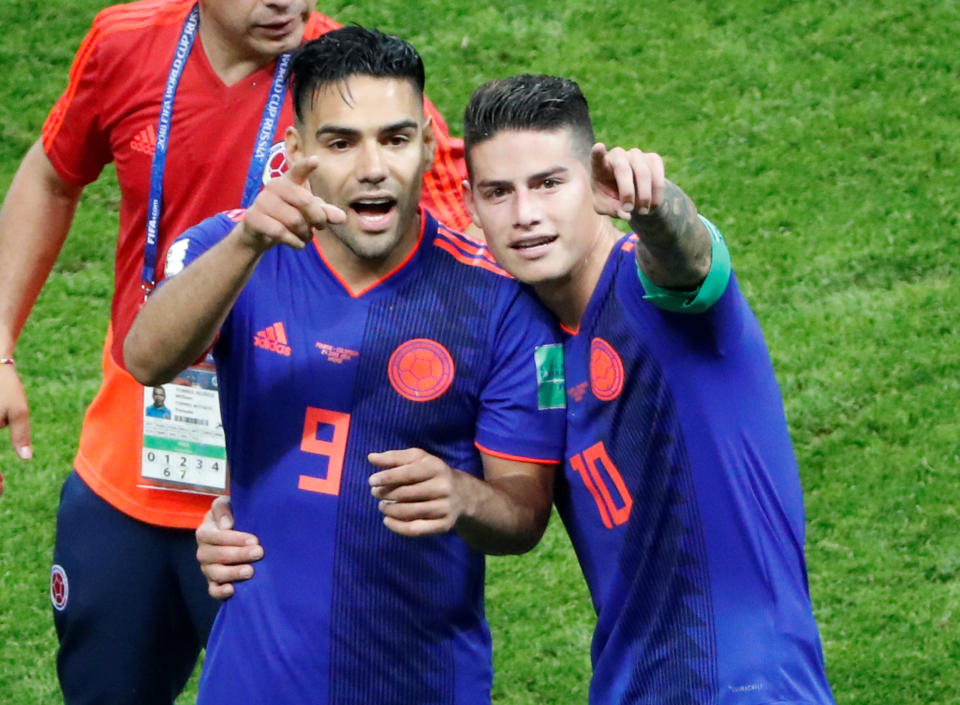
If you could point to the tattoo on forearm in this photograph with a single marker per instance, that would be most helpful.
(674, 246)
(675, 218)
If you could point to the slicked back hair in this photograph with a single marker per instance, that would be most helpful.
(528, 102)
(351, 51)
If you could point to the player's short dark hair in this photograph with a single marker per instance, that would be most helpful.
(528, 102)
(351, 51)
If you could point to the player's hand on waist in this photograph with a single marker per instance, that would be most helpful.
(420, 495)
(286, 211)
(225, 555)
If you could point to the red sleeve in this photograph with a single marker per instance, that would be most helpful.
(72, 138)
(76, 135)
(318, 25)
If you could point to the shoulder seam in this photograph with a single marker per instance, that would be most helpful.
(109, 21)
(448, 245)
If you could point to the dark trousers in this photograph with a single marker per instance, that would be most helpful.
(130, 604)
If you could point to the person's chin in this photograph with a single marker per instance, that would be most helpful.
(372, 246)
(526, 272)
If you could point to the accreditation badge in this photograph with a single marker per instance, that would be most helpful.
(183, 442)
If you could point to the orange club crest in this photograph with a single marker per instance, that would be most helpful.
(606, 370)
(420, 369)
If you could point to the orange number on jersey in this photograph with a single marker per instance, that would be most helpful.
(589, 465)
(334, 449)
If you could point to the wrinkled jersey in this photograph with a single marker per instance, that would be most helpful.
(108, 113)
(683, 501)
(442, 354)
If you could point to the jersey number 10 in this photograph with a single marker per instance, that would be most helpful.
(595, 468)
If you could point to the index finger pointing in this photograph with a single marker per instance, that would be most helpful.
(301, 169)
(658, 178)
(598, 154)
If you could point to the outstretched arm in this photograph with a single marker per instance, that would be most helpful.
(505, 512)
(34, 222)
(182, 318)
(673, 248)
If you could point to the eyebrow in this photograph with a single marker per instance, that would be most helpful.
(351, 131)
(539, 176)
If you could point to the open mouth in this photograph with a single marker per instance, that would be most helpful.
(373, 212)
(533, 247)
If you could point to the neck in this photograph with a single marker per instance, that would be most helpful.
(231, 61)
(359, 273)
(568, 297)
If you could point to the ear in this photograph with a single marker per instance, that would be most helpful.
(471, 205)
(429, 144)
(292, 144)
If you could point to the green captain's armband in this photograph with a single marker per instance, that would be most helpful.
(705, 295)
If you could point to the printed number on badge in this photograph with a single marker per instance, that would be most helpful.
(174, 466)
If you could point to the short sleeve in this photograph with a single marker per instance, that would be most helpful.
(522, 415)
(193, 243)
(73, 135)
(197, 240)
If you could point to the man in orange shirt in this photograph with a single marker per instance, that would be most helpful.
(157, 87)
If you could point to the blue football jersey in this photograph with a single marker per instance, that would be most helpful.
(442, 354)
(682, 499)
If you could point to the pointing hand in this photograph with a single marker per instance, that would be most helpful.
(286, 211)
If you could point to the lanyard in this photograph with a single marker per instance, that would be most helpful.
(261, 149)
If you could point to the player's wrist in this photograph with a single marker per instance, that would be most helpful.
(249, 240)
(704, 296)
(465, 496)
(7, 343)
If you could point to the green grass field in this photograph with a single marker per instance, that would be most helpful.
(822, 137)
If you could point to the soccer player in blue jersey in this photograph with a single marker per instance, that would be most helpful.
(681, 493)
(362, 349)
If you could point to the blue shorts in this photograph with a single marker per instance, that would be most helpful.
(130, 604)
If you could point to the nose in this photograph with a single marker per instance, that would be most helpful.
(526, 213)
(370, 165)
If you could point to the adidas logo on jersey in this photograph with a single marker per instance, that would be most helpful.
(145, 141)
(274, 339)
